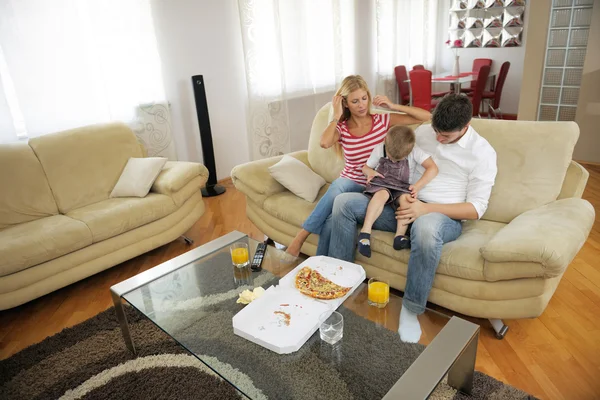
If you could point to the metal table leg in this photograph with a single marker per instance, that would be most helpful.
(122, 318)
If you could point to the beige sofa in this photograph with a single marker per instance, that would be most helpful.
(57, 222)
(506, 265)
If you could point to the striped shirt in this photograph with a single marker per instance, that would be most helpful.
(358, 149)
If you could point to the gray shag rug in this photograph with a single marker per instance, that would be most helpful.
(90, 361)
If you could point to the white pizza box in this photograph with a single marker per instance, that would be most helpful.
(340, 272)
(264, 320)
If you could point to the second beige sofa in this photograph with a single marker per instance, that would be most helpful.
(57, 222)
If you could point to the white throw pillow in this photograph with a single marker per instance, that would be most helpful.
(138, 176)
(297, 177)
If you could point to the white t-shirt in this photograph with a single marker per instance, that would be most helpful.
(467, 169)
(416, 157)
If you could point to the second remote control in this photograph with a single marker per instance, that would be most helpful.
(259, 255)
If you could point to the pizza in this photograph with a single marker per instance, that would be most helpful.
(313, 284)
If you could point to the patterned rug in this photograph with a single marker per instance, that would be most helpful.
(90, 361)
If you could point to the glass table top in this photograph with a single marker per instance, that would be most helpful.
(195, 302)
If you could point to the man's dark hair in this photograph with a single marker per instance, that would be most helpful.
(452, 113)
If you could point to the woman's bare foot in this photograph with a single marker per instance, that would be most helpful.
(296, 245)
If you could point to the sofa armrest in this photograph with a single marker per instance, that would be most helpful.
(176, 174)
(256, 177)
(575, 181)
(550, 235)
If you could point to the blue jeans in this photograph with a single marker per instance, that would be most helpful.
(322, 210)
(427, 236)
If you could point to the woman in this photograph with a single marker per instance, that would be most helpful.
(355, 132)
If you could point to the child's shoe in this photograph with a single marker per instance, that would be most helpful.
(364, 244)
(401, 242)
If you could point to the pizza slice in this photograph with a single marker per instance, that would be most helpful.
(313, 284)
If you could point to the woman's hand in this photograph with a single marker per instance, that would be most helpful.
(338, 110)
(382, 101)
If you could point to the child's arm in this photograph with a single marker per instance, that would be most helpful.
(369, 168)
(431, 170)
(370, 173)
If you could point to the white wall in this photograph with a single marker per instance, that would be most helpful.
(515, 55)
(204, 38)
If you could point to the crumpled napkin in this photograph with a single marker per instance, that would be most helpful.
(248, 296)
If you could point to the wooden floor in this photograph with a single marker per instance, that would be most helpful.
(555, 356)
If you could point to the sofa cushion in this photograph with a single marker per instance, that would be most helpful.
(324, 162)
(138, 176)
(84, 164)
(112, 217)
(297, 177)
(34, 242)
(460, 258)
(291, 208)
(533, 158)
(25, 194)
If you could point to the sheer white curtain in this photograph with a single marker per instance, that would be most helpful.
(296, 53)
(68, 63)
(406, 35)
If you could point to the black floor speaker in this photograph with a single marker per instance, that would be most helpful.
(208, 153)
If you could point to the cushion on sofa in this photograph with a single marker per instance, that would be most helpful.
(34, 242)
(112, 217)
(533, 158)
(297, 177)
(324, 162)
(24, 191)
(138, 176)
(84, 164)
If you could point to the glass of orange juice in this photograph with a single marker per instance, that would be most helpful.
(379, 292)
(239, 254)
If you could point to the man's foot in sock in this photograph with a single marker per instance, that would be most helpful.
(364, 244)
(410, 329)
(401, 242)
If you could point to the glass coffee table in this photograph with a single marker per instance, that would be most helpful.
(193, 297)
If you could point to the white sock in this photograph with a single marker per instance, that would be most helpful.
(410, 329)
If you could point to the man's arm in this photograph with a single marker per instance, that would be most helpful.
(479, 188)
(417, 208)
(454, 211)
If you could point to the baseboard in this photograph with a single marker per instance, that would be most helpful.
(224, 180)
(590, 163)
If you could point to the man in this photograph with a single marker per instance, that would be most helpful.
(460, 191)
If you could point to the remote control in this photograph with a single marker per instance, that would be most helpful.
(258, 257)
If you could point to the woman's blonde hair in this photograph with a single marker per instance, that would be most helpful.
(350, 84)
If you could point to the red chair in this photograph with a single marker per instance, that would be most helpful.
(420, 85)
(418, 67)
(494, 96)
(477, 63)
(403, 87)
(477, 94)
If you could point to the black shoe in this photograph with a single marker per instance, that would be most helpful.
(364, 244)
(401, 242)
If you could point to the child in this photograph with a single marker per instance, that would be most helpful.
(389, 170)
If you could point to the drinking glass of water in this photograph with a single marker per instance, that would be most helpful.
(332, 327)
